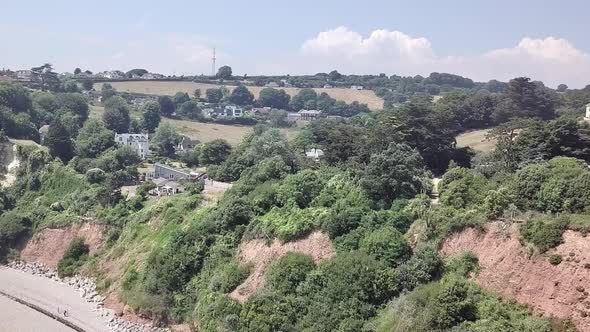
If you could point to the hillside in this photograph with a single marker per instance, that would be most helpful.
(507, 268)
(170, 88)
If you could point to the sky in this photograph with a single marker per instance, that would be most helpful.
(483, 40)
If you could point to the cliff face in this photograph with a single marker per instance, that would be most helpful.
(508, 270)
(8, 163)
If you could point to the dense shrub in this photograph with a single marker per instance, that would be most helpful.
(288, 272)
(544, 233)
(73, 258)
(387, 244)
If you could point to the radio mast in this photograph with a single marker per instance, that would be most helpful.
(213, 64)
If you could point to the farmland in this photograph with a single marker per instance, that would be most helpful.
(170, 88)
(204, 131)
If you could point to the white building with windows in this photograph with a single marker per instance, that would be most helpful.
(138, 142)
(587, 117)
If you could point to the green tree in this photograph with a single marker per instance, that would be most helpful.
(241, 96)
(166, 105)
(116, 115)
(387, 244)
(278, 118)
(165, 140)
(15, 97)
(137, 71)
(214, 95)
(397, 172)
(93, 139)
(77, 71)
(59, 142)
(224, 73)
(303, 99)
(274, 98)
(214, 152)
(191, 110)
(197, 93)
(48, 78)
(107, 91)
(334, 75)
(562, 88)
(87, 85)
(180, 98)
(151, 116)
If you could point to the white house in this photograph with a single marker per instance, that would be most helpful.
(356, 87)
(272, 85)
(587, 117)
(315, 154)
(43, 132)
(138, 142)
(233, 111)
(24, 75)
(309, 115)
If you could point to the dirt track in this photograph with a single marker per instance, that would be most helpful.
(48, 295)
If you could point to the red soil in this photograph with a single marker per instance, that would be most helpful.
(49, 245)
(506, 268)
(260, 255)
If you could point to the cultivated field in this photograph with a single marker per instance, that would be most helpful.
(476, 140)
(205, 132)
(170, 88)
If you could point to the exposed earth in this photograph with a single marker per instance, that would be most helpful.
(508, 269)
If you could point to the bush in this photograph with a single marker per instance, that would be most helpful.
(229, 277)
(544, 233)
(555, 259)
(73, 258)
(387, 244)
(288, 272)
(463, 265)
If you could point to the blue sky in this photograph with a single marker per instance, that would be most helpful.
(546, 40)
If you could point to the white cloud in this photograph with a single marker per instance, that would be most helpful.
(552, 60)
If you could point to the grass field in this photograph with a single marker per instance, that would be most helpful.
(203, 131)
(476, 140)
(170, 88)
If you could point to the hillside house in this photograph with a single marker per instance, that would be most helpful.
(232, 111)
(166, 187)
(272, 85)
(24, 75)
(587, 117)
(138, 142)
(293, 117)
(309, 115)
(186, 144)
(356, 87)
(170, 173)
(328, 86)
(315, 154)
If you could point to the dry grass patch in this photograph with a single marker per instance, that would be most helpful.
(476, 140)
(172, 87)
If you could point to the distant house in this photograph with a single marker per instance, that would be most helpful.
(261, 111)
(166, 187)
(24, 75)
(286, 83)
(186, 144)
(170, 173)
(309, 115)
(111, 75)
(356, 87)
(43, 132)
(138, 142)
(328, 86)
(315, 154)
(272, 85)
(587, 118)
(232, 111)
(152, 76)
(293, 117)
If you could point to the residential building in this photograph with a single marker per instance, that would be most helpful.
(166, 187)
(43, 132)
(309, 115)
(152, 76)
(170, 173)
(138, 142)
(587, 118)
(328, 86)
(315, 154)
(293, 117)
(24, 75)
(356, 87)
(261, 111)
(232, 111)
(272, 85)
(186, 144)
